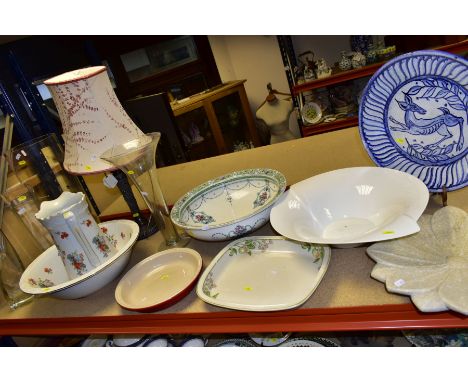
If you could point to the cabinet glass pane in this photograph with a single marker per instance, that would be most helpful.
(233, 123)
(145, 62)
(196, 134)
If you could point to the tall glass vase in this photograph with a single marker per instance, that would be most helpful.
(137, 159)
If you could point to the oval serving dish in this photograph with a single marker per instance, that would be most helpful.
(159, 281)
(230, 205)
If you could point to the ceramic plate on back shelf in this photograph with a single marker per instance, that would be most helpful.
(311, 113)
(414, 117)
(263, 273)
(308, 342)
(235, 343)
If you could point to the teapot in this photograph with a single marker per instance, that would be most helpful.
(81, 243)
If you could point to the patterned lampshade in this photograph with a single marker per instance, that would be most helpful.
(93, 119)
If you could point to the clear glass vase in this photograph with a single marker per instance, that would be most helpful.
(11, 269)
(137, 159)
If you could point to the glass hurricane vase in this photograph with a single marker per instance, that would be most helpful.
(137, 159)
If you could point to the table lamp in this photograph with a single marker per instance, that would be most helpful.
(93, 121)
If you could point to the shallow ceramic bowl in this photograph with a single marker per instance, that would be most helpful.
(351, 206)
(159, 280)
(46, 275)
(229, 206)
(311, 113)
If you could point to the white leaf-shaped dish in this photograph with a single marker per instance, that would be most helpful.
(431, 266)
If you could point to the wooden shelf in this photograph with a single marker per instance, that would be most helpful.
(365, 71)
(338, 78)
(376, 317)
(308, 130)
(347, 299)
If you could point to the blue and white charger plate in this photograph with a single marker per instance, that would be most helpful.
(414, 118)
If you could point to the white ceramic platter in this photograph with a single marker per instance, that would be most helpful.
(230, 205)
(159, 280)
(46, 275)
(263, 273)
(414, 117)
(350, 206)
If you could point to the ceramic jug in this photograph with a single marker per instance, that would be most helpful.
(80, 242)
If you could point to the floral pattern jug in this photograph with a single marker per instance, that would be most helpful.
(80, 242)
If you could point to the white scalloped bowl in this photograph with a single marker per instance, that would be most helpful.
(46, 275)
(229, 206)
(351, 206)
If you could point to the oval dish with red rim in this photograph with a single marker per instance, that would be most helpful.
(159, 281)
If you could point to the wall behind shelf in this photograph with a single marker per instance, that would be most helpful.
(256, 59)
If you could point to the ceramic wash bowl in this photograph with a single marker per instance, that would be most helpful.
(230, 205)
(351, 206)
(46, 275)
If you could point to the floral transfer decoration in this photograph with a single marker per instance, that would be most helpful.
(431, 266)
(63, 235)
(262, 196)
(77, 260)
(247, 246)
(209, 285)
(101, 244)
(87, 222)
(41, 283)
(239, 230)
(201, 217)
(316, 250)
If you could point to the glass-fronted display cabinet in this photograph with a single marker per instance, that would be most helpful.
(217, 121)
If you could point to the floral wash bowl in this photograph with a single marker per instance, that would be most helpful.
(46, 275)
(263, 273)
(230, 205)
(351, 206)
(431, 266)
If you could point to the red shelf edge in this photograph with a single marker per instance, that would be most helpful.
(375, 317)
(308, 130)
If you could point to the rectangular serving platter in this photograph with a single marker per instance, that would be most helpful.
(263, 273)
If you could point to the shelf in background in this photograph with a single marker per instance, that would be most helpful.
(365, 71)
(308, 130)
(338, 78)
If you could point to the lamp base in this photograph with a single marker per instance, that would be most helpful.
(147, 227)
